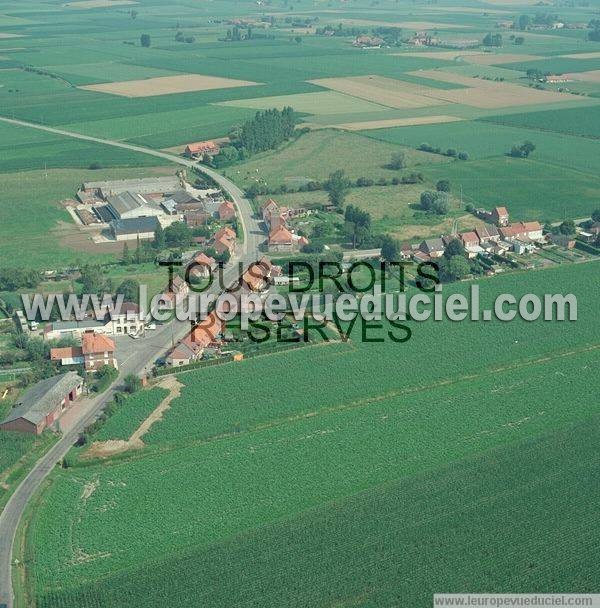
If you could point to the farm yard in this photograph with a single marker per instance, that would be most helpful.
(351, 473)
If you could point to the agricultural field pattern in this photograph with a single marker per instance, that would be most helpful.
(367, 465)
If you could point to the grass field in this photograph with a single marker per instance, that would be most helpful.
(315, 155)
(292, 461)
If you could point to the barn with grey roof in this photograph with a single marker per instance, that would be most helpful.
(42, 404)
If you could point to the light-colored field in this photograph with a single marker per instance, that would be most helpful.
(6, 35)
(385, 91)
(325, 102)
(591, 76)
(488, 94)
(445, 55)
(85, 4)
(396, 122)
(593, 55)
(409, 25)
(496, 59)
(166, 85)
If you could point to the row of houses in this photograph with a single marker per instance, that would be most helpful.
(208, 334)
(519, 238)
(281, 237)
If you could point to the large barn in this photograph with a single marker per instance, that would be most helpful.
(41, 405)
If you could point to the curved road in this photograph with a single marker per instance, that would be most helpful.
(150, 349)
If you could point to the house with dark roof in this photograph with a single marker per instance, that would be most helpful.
(434, 248)
(42, 404)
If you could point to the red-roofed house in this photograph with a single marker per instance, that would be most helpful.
(70, 355)
(98, 350)
(203, 265)
(191, 348)
(202, 148)
(224, 240)
(226, 211)
(281, 239)
(534, 230)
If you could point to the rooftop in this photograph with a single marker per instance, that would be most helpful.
(42, 398)
(134, 225)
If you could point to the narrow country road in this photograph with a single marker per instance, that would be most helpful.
(144, 357)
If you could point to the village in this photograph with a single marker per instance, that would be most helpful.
(90, 347)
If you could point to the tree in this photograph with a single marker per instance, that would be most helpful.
(145, 40)
(523, 22)
(522, 150)
(126, 256)
(596, 215)
(567, 227)
(463, 156)
(297, 39)
(92, 279)
(178, 234)
(492, 40)
(132, 383)
(398, 161)
(443, 185)
(519, 40)
(454, 247)
(454, 268)
(130, 289)
(435, 202)
(358, 224)
(390, 248)
(337, 186)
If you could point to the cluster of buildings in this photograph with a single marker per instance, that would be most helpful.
(127, 321)
(133, 209)
(96, 351)
(281, 237)
(208, 336)
(498, 237)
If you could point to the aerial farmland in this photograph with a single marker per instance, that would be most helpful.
(432, 167)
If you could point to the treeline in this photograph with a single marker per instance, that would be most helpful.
(266, 131)
(257, 189)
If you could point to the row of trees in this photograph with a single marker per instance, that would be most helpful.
(451, 152)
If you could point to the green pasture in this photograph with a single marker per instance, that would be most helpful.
(316, 154)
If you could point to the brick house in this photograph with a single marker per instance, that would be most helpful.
(98, 350)
(226, 211)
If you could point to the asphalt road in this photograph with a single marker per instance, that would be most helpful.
(142, 356)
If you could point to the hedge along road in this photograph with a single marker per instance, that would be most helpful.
(137, 363)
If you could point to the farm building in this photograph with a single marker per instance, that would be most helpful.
(69, 355)
(72, 329)
(499, 216)
(201, 149)
(40, 406)
(149, 185)
(131, 205)
(195, 218)
(488, 234)
(133, 228)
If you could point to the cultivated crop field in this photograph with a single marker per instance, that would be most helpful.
(269, 459)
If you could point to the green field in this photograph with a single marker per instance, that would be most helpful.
(271, 459)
